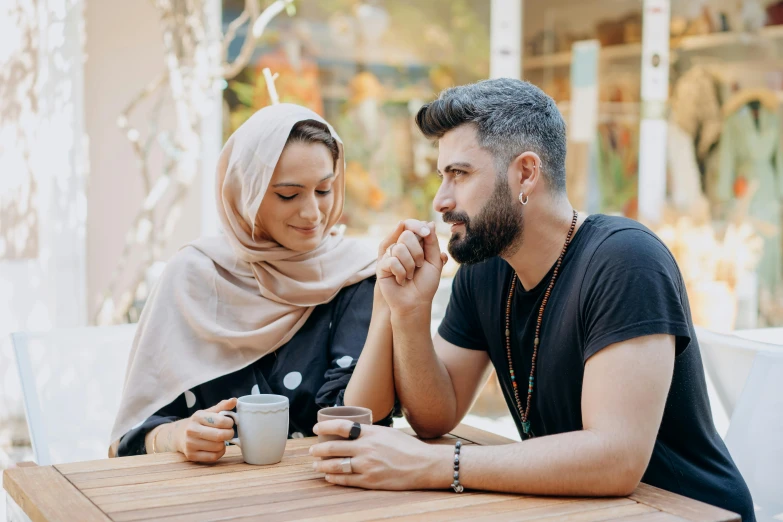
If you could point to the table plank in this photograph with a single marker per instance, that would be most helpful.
(197, 485)
(45, 495)
(285, 511)
(480, 437)
(114, 504)
(612, 513)
(454, 508)
(657, 516)
(253, 502)
(686, 508)
(85, 483)
(558, 511)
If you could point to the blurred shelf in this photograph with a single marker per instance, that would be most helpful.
(396, 95)
(605, 107)
(711, 41)
(686, 44)
(613, 52)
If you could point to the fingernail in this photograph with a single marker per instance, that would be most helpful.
(315, 466)
(310, 451)
(315, 429)
(425, 231)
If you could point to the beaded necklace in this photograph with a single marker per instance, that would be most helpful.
(524, 414)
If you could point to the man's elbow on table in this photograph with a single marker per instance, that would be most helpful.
(625, 466)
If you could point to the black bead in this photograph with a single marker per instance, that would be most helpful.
(456, 467)
(456, 475)
(456, 458)
(458, 444)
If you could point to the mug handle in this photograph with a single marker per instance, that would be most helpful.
(233, 415)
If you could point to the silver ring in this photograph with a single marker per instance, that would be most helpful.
(346, 465)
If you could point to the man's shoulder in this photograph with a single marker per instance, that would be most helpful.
(618, 237)
(627, 245)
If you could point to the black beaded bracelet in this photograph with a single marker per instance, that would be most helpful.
(456, 485)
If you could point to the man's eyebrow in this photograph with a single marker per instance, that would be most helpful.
(461, 165)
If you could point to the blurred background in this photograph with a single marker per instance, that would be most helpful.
(112, 115)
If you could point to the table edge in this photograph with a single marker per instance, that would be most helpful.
(48, 506)
(670, 503)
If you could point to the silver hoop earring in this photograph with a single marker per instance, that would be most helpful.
(523, 199)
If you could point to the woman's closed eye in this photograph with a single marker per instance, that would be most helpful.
(289, 198)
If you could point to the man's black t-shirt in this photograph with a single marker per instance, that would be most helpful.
(617, 282)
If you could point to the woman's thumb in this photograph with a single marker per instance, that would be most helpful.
(228, 404)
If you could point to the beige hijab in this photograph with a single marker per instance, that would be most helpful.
(222, 303)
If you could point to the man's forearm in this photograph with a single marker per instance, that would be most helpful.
(423, 384)
(579, 463)
(372, 382)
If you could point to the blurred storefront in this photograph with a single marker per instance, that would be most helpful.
(709, 181)
(721, 184)
(367, 67)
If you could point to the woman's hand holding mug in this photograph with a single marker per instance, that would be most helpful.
(202, 437)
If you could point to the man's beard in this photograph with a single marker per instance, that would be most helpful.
(496, 231)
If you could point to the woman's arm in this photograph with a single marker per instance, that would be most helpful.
(372, 383)
(201, 437)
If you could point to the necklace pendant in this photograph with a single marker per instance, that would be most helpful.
(526, 427)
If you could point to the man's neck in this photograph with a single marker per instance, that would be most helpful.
(545, 234)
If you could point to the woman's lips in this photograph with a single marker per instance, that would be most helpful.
(307, 231)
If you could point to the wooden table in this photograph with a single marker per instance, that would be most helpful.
(165, 486)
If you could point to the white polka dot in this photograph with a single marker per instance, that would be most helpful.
(292, 380)
(344, 362)
(297, 435)
(255, 390)
(190, 399)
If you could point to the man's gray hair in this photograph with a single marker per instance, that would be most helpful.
(511, 117)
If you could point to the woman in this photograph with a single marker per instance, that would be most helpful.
(279, 303)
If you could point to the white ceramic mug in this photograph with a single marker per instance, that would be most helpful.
(262, 423)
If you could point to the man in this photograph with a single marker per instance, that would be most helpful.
(585, 320)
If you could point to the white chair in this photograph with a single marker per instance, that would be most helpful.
(727, 362)
(755, 436)
(72, 382)
(762, 335)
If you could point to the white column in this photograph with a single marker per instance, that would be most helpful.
(212, 128)
(42, 136)
(655, 92)
(505, 39)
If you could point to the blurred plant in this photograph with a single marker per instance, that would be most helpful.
(713, 259)
(196, 67)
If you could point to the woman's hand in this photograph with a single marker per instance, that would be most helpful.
(203, 436)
